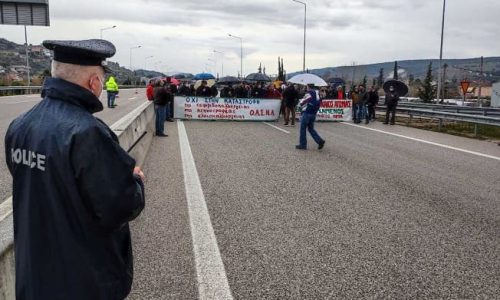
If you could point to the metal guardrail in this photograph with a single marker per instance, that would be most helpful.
(485, 111)
(443, 115)
(28, 90)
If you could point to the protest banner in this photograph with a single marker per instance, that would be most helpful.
(236, 109)
(333, 110)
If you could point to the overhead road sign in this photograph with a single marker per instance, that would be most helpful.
(24, 12)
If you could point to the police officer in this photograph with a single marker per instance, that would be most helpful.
(74, 188)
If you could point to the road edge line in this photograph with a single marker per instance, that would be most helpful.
(276, 127)
(427, 142)
(211, 274)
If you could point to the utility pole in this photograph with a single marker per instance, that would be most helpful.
(479, 100)
(445, 68)
(353, 74)
(441, 56)
(27, 55)
(305, 27)
(241, 52)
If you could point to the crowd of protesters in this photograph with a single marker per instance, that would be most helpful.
(364, 102)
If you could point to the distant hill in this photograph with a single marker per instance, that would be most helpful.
(457, 69)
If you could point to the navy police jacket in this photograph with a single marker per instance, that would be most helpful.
(74, 193)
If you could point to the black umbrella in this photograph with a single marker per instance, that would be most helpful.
(258, 77)
(228, 80)
(400, 87)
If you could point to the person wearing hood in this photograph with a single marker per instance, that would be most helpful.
(112, 91)
(391, 100)
(75, 190)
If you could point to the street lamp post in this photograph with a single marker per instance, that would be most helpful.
(305, 26)
(440, 74)
(131, 68)
(107, 28)
(220, 52)
(132, 48)
(214, 61)
(241, 41)
(27, 55)
(146, 61)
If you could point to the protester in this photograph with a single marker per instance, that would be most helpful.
(171, 90)
(227, 92)
(184, 90)
(241, 91)
(391, 100)
(214, 91)
(112, 91)
(74, 188)
(150, 90)
(362, 106)
(372, 103)
(290, 99)
(160, 102)
(272, 93)
(310, 105)
(355, 101)
(203, 90)
(340, 93)
(257, 91)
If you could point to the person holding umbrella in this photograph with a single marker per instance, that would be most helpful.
(310, 105)
(393, 90)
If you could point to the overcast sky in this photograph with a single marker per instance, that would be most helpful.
(182, 34)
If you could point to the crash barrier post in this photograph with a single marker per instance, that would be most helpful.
(135, 133)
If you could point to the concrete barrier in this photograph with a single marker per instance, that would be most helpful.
(135, 132)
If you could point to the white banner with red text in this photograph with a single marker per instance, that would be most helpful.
(333, 110)
(236, 109)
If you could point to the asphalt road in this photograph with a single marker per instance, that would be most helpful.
(12, 107)
(371, 216)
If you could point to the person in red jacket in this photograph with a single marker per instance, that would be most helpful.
(272, 92)
(150, 91)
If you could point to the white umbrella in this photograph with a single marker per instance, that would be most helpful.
(307, 78)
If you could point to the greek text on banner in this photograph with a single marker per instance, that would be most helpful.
(237, 109)
(333, 110)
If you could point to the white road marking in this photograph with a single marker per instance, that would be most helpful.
(427, 142)
(20, 96)
(276, 127)
(211, 275)
(25, 101)
(133, 98)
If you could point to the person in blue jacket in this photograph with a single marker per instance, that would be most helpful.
(74, 188)
(310, 105)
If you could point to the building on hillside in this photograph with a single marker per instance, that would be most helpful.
(20, 69)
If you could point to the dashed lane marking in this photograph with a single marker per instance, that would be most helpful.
(276, 127)
(211, 275)
(427, 142)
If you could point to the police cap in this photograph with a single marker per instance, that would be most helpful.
(83, 53)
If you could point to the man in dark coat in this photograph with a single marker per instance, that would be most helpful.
(391, 100)
(290, 99)
(372, 103)
(203, 90)
(74, 188)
